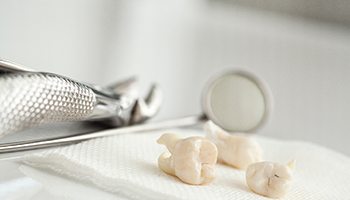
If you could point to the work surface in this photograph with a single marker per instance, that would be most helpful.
(125, 167)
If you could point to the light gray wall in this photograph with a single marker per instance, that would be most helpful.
(180, 44)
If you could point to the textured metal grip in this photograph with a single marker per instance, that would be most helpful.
(29, 99)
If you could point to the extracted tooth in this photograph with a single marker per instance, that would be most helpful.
(148, 107)
(270, 179)
(236, 150)
(192, 159)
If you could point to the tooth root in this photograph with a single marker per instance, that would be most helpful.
(128, 87)
(148, 107)
(169, 140)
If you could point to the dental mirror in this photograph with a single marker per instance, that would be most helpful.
(237, 101)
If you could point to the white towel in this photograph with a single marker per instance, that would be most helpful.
(127, 165)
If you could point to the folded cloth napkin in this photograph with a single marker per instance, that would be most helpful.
(127, 165)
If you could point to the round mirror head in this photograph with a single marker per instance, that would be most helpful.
(237, 101)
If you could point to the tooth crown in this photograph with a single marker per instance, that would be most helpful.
(192, 159)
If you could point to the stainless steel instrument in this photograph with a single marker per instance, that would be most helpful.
(29, 98)
(237, 101)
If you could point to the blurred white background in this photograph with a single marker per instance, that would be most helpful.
(181, 43)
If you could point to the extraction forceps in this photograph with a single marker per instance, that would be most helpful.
(29, 98)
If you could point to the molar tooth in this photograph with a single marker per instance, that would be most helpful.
(236, 150)
(192, 159)
(269, 179)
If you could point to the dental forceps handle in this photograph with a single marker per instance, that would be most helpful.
(55, 142)
(28, 99)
